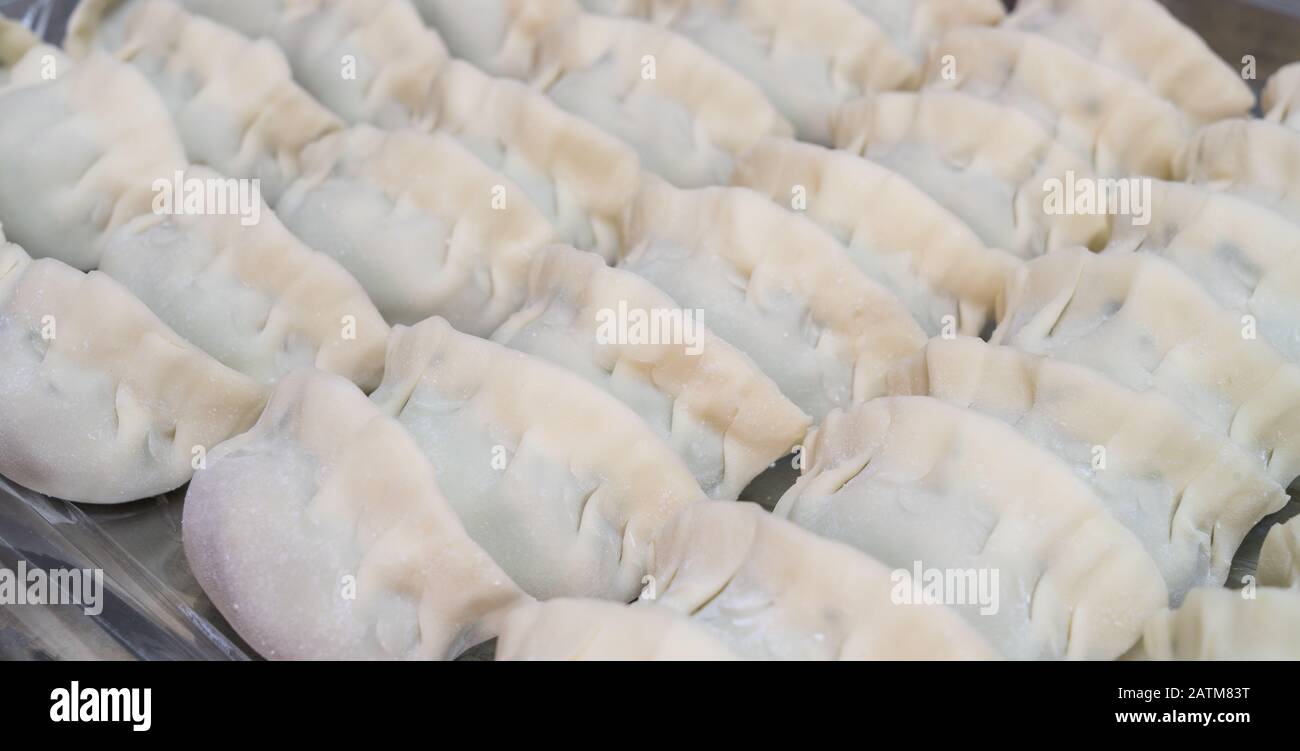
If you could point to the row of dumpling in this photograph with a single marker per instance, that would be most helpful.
(110, 402)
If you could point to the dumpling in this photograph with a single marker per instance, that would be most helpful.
(687, 114)
(774, 285)
(423, 225)
(1281, 100)
(809, 57)
(914, 25)
(1139, 319)
(598, 630)
(988, 164)
(562, 484)
(233, 101)
(772, 591)
(1279, 559)
(1143, 40)
(370, 61)
(1120, 125)
(926, 256)
(580, 177)
(1222, 624)
(1185, 491)
(1247, 256)
(1254, 158)
(81, 152)
(321, 534)
(918, 483)
(500, 36)
(100, 402)
(249, 294)
(709, 401)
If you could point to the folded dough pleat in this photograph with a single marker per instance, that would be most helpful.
(560, 482)
(918, 483)
(321, 534)
(100, 402)
(1254, 158)
(707, 399)
(1227, 624)
(1281, 98)
(1279, 559)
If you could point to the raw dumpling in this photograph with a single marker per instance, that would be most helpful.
(1222, 624)
(499, 36)
(1118, 124)
(809, 57)
(776, 286)
(251, 295)
(687, 114)
(423, 225)
(1139, 319)
(598, 630)
(1281, 98)
(709, 401)
(370, 61)
(560, 482)
(926, 256)
(986, 163)
(1279, 560)
(233, 100)
(772, 591)
(918, 483)
(1255, 158)
(1247, 256)
(81, 151)
(321, 534)
(579, 176)
(1185, 491)
(100, 402)
(1143, 40)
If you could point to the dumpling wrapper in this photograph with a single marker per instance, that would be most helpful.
(987, 163)
(914, 481)
(772, 591)
(1139, 319)
(708, 400)
(100, 402)
(1246, 255)
(252, 296)
(560, 482)
(321, 534)
(1119, 125)
(776, 286)
(902, 238)
(501, 36)
(914, 25)
(1281, 98)
(808, 57)
(80, 152)
(1184, 490)
(1279, 559)
(425, 227)
(598, 630)
(1142, 39)
(1221, 624)
(233, 100)
(1253, 158)
(688, 122)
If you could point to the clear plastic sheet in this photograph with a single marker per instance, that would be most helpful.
(154, 609)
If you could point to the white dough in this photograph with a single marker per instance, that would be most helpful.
(100, 402)
(916, 482)
(1281, 100)
(499, 36)
(709, 401)
(597, 630)
(1253, 158)
(1279, 559)
(1220, 624)
(560, 482)
(321, 534)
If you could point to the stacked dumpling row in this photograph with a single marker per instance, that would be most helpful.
(512, 455)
